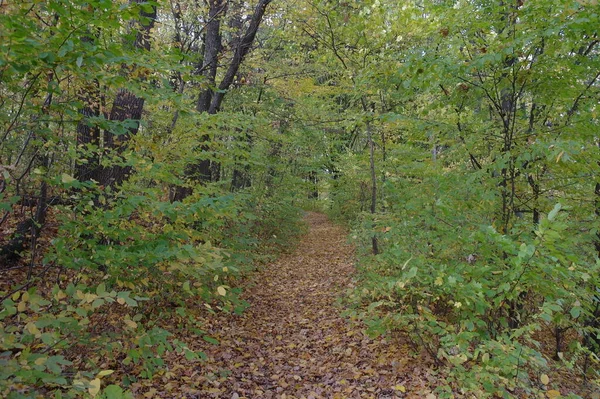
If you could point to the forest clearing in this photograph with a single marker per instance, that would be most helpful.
(304, 199)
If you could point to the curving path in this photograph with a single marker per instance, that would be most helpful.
(293, 342)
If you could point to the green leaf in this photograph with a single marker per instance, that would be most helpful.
(554, 211)
(210, 340)
(575, 312)
(412, 272)
(113, 392)
(101, 289)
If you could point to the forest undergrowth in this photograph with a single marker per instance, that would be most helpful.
(156, 156)
(294, 342)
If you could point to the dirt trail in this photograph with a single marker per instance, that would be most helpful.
(293, 343)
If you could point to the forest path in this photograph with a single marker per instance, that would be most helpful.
(293, 342)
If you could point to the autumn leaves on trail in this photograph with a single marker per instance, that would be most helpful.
(293, 342)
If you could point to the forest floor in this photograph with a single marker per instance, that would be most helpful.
(294, 342)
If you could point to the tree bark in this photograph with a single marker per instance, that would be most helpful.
(210, 101)
(88, 135)
(212, 48)
(374, 243)
(127, 106)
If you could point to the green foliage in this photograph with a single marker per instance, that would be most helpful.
(160, 252)
(460, 309)
(38, 335)
(481, 118)
(484, 120)
(135, 268)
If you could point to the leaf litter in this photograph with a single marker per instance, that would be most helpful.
(294, 342)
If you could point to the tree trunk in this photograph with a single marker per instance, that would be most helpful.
(241, 172)
(313, 179)
(212, 48)
(240, 53)
(210, 101)
(127, 106)
(374, 243)
(88, 136)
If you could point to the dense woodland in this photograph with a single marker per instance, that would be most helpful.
(153, 154)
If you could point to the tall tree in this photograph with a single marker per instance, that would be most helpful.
(210, 100)
(127, 106)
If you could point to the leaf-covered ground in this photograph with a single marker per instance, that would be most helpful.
(293, 342)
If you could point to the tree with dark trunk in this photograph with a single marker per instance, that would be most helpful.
(126, 107)
(88, 135)
(209, 100)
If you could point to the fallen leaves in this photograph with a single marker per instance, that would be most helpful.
(94, 387)
(544, 379)
(553, 394)
(293, 341)
(400, 388)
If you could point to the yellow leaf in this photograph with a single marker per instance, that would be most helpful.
(400, 388)
(33, 330)
(105, 373)
(16, 296)
(66, 179)
(41, 360)
(553, 394)
(130, 323)
(221, 290)
(22, 306)
(89, 297)
(80, 383)
(60, 295)
(94, 388)
(544, 379)
(559, 156)
(121, 301)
